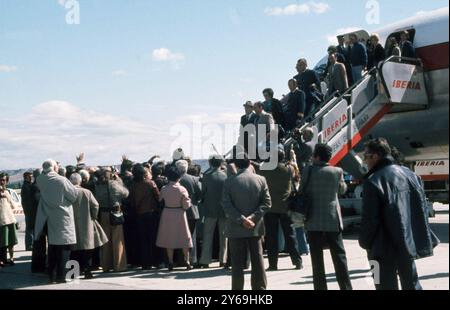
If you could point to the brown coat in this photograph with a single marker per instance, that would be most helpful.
(144, 197)
(279, 181)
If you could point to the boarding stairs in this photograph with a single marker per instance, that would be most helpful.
(344, 120)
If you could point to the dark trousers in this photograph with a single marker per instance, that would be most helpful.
(238, 250)
(3, 254)
(39, 254)
(247, 257)
(131, 237)
(147, 227)
(310, 107)
(193, 229)
(84, 259)
(96, 258)
(317, 241)
(272, 222)
(29, 232)
(58, 256)
(406, 270)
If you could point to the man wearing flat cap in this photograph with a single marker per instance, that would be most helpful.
(249, 118)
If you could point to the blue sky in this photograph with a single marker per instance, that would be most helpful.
(122, 80)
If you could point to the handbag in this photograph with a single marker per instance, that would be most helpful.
(116, 218)
(299, 201)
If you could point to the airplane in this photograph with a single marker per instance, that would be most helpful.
(419, 128)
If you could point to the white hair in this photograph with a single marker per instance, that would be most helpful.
(182, 166)
(49, 165)
(84, 175)
(75, 178)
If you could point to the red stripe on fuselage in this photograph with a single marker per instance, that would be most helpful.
(435, 177)
(434, 57)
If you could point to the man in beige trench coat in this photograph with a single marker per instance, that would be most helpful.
(90, 234)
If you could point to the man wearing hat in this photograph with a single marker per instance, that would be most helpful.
(248, 119)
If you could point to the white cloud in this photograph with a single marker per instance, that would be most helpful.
(319, 8)
(119, 72)
(196, 133)
(332, 38)
(294, 9)
(220, 119)
(164, 54)
(432, 12)
(59, 130)
(7, 69)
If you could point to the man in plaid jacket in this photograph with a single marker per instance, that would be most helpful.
(324, 223)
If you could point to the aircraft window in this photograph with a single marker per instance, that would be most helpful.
(321, 67)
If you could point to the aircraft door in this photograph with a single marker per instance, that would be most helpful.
(404, 82)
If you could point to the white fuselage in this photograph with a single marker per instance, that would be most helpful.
(423, 134)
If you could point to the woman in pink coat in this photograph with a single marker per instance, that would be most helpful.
(173, 232)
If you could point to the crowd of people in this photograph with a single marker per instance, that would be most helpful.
(166, 215)
(156, 215)
(309, 90)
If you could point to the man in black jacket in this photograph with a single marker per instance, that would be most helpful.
(296, 106)
(343, 50)
(29, 205)
(395, 229)
(406, 46)
(273, 106)
(308, 81)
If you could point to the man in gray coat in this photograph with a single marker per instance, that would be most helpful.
(212, 189)
(246, 199)
(55, 209)
(192, 185)
(338, 76)
(322, 184)
(304, 147)
(265, 127)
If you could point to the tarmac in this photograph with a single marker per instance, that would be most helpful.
(433, 271)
